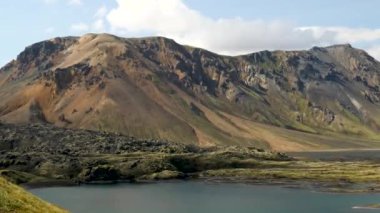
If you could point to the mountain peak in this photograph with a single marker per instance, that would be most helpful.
(332, 47)
(344, 46)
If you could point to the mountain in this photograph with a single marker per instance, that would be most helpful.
(153, 87)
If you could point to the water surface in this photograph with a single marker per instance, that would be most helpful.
(192, 196)
(340, 155)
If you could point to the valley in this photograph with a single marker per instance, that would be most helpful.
(101, 109)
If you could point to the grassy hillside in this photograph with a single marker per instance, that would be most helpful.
(14, 199)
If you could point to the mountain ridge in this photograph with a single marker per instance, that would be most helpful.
(154, 87)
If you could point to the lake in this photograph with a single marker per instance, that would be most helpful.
(197, 196)
(340, 155)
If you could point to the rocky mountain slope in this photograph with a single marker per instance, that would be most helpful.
(155, 88)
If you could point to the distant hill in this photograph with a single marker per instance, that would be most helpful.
(321, 98)
(14, 199)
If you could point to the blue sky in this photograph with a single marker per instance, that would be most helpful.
(352, 13)
(223, 26)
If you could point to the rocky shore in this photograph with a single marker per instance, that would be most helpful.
(42, 155)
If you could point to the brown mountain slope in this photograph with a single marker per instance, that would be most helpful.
(155, 88)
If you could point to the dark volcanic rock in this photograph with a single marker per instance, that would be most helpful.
(90, 156)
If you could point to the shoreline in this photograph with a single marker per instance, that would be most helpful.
(366, 208)
(336, 150)
(320, 187)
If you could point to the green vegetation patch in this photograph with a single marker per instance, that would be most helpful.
(14, 199)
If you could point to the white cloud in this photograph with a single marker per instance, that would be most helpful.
(49, 30)
(79, 27)
(174, 19)
(49, 1)
(345, 34)
(3, 63)
(70, 2)
(75, 2)
(98, 26)
(101, 12)
(375, 51)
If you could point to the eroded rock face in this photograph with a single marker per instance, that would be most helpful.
(40, 55)
(372, 96)
(324, 114)
(37, 114)
(99, 173)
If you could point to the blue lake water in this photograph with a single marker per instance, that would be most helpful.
(198, 197)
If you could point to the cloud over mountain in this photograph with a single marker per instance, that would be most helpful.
(173, 18)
